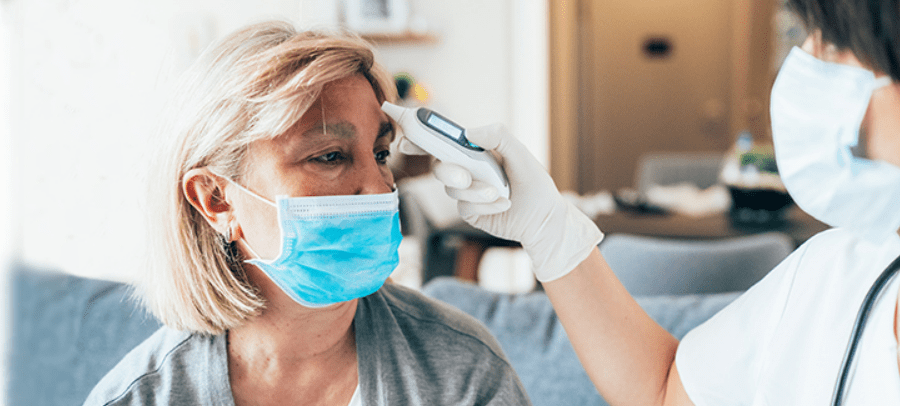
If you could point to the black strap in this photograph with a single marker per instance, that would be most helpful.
(861, 318)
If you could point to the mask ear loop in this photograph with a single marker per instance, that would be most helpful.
(248, 191)
(249, 248)
(251, 193)
(883, 81)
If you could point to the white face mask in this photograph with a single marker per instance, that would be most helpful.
(817, 108)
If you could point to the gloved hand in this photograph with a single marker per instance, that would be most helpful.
(555, 234)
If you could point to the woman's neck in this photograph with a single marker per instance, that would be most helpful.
(290, 353)
(883, 125)
(295, 363)
(294, 334)
(289, 332)
(897, 327)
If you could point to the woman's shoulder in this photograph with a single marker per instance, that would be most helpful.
(423, 315)
(161, 370)
(834, 265)
(813, 296)
(831, 237)
(434, 353)
(842, 253)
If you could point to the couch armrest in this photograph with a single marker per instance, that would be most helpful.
(536, 344)
(67, 333)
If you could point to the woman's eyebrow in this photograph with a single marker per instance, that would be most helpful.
(346, 130)
(386, 130)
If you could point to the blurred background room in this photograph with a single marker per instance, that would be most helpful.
(651, 116)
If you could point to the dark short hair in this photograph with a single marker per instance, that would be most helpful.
(868, 28)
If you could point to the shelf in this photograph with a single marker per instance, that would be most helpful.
(402, 38)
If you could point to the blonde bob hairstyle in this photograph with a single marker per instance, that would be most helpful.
(255, 84)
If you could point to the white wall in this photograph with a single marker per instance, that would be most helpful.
(489, 65)
(86, 75)
(6, 241)
(86, 79)
(6, 246)
(465, 71)
(531, 76)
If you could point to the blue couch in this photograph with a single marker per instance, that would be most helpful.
(537, 346)
(68, 332)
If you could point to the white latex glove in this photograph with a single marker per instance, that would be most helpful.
(555, 234)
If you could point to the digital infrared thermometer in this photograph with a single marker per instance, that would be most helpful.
(447, 141)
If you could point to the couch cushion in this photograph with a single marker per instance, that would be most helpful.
(67, 333)
(536, 344)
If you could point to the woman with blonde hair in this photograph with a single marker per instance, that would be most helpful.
(275, 227)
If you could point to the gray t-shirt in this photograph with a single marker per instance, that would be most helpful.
(411, 351)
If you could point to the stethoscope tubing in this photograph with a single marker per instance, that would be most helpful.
(858, 327)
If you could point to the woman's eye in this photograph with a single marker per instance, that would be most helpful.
(382, 156)
(330, 158)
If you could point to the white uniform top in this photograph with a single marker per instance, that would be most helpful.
(356, 400)
(782, 342)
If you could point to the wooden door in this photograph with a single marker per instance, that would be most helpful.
(655, 76)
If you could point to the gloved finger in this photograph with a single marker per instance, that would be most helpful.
(452, 175)
(477, 192)
(495, 137)
(407, 147)
(469, 211)
(514, 156)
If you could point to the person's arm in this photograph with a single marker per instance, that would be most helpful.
(628, 356)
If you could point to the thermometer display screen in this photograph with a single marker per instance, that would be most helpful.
(449, 129)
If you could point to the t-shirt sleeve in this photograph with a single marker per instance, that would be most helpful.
(169, 368)
(719, 362)
(509, 390)
(414, 350)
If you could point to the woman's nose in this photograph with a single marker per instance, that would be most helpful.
(374, 178)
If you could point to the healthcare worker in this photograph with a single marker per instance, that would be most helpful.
(836, 128)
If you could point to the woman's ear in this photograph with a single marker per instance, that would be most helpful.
(206, 192)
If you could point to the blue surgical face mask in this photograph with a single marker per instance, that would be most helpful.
(817, 109)
(333, 248)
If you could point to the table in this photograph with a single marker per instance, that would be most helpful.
(796, 223)
(457, 250)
